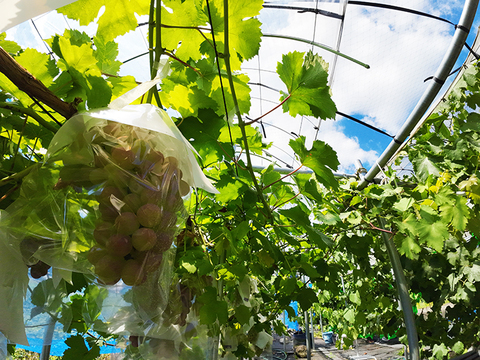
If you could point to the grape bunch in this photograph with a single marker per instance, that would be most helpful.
(139, 193)
(28, 248)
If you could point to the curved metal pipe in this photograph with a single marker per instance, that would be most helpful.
(456, 45)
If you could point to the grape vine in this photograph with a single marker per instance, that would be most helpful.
(242, 253)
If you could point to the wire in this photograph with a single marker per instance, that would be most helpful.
(263, 85)
(365, 124)
(41, 38)
(316, 11)
(338, 113)
(399, 8)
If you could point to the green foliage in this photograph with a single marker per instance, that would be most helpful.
(118, 18)
(78, 349)
(306, 79)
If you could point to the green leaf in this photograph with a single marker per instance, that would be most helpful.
(203, 132)
(458, 348)
(186, 100)
(212, 309)
(47, 296)
(228, 190)
(242, 313)
(244, 29)
(440, 351)
(457, 215)
(355, 297)
(349, 316)
(408, 225)
(106, 53)
(296, 214)
(191, 268)
(318, 238)
(306, 81)
(99, 92)
(306, 298)
(433, 234)
(403, 204)
(425, 166)
(78, 350)
(269, 176)
(80, 58)
(321, 158)
(408, 245)
(288, 285)
(242, 91)
(185, 41)
(118, 18)
(39, 65)
(9, 46)
(472, 272)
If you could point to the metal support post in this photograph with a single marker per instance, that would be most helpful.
(403, 295)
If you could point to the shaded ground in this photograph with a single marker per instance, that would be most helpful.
(360, 351)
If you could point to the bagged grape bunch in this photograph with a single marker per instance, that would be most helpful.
(109, 202)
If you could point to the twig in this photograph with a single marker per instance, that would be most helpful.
(9, 192)
(373, 227)
(283, 177)
(30, 112)
(27, 83)
(268, 112)
(18, 176)
(182, 62)
(198, 28)
(293, 197)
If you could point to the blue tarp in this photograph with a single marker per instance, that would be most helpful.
(292, 324)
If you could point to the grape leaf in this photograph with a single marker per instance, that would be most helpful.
(78, 350)
(212, 309)
(244, 30)
(203, 132)
(118, 18)
(106, 53)
(9, 46)
(185, 41)
(408, 245)
(39, 65)
(242, 313)
(306, 298)
(81, 58)
(186, 100)
(306, 79)
(403, 204)
(425, 166)
(457, 215)
(321, 158)
(99, 92)
(433, 234)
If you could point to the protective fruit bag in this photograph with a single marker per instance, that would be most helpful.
(109, 202)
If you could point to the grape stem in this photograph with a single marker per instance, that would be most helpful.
(268, 112)
(18, 176)
(241, 123)
(29, 112)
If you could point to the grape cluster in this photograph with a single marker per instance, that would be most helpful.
(139, 194)
(28, 248)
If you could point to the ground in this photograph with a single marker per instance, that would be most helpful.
(360, 351)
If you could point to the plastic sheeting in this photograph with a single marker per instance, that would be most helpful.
(15, 12)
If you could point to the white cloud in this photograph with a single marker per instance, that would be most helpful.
(402, 50)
